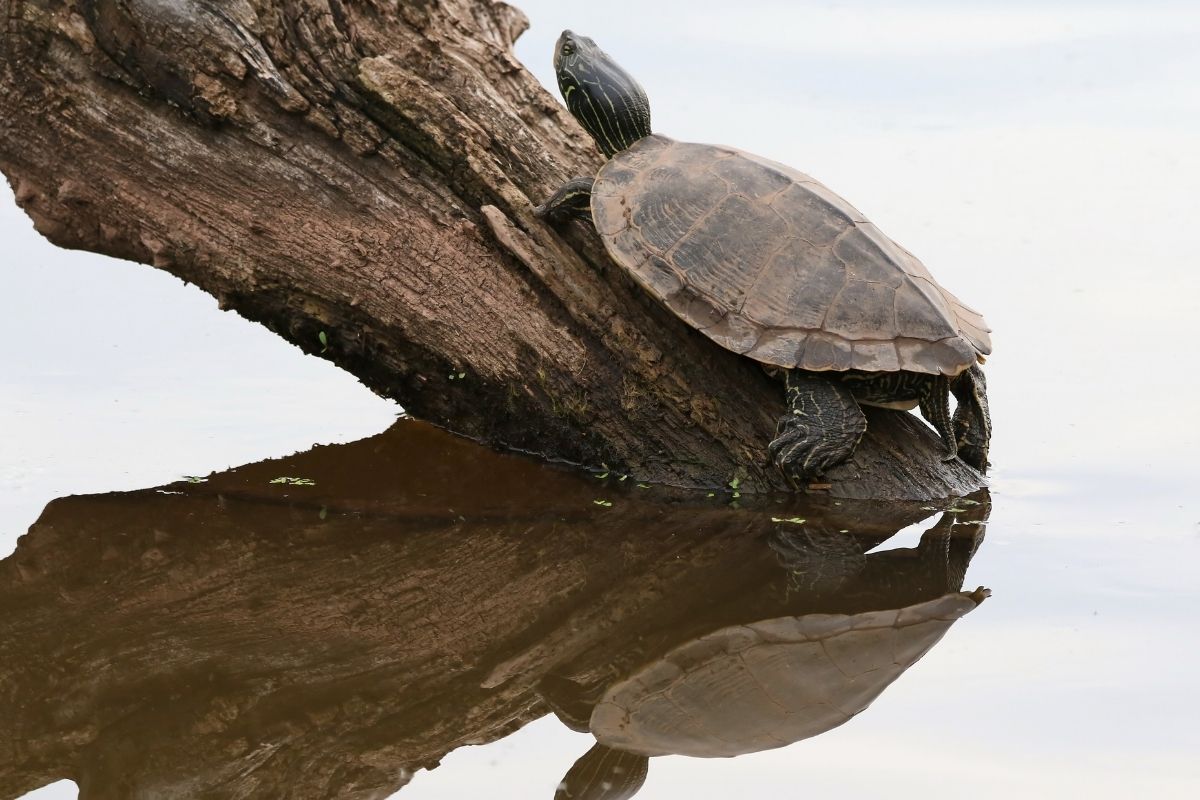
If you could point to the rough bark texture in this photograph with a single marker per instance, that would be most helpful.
(365, 170)
(242, 638)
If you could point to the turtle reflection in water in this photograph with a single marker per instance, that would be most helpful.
(766, 683)
(772, 265)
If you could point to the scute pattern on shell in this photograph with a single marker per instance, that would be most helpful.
(769, 263)
(771, 683)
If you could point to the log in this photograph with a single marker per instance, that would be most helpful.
(248, 638)
(358, 177)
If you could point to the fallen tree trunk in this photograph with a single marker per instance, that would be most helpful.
(358, 178)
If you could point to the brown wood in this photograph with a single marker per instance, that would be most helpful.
(366, 171)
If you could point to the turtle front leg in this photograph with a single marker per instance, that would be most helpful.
(972, 419)
(572, 201)
(822, 426)
(935, 407)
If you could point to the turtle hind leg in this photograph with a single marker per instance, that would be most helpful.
(935, 407)
(903, 390)
(821, 428)
(572, 201)
(972, 419)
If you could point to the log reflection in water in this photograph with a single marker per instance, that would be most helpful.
(240, 637)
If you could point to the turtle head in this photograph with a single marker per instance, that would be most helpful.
(605, 99)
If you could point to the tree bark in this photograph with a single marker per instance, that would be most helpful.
(358, 177)
(246, 638)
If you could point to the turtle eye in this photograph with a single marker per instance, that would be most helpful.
(568, 49)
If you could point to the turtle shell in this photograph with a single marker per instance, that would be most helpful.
(769, 263)
(767, 684)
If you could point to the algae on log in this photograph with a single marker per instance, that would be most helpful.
(366, 170)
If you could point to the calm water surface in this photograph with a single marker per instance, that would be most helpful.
(426, 602)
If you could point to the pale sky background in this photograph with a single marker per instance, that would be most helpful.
(1041, 159)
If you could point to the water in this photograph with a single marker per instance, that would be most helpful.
(342, 638)
(410, 593)
(1039, 159)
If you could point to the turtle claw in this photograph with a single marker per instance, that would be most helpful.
(972, 442)
(787, 447)
(974, 456)
(798, 452)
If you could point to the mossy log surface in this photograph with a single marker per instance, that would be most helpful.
(367, 170)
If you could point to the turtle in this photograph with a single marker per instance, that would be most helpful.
(745, 688)
(769, 263)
